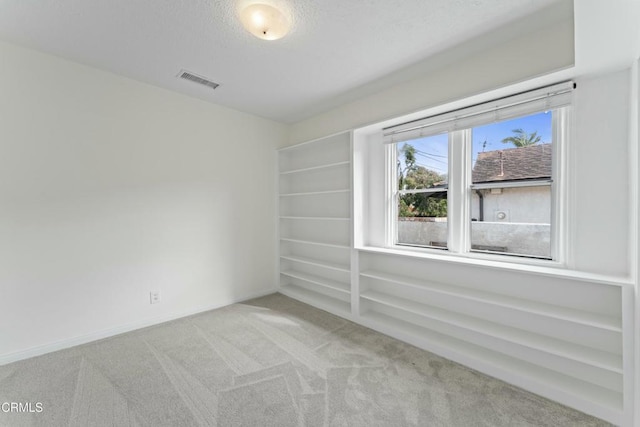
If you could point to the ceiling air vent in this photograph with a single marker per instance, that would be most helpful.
(197, 79)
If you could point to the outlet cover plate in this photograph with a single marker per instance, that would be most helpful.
(154, 297)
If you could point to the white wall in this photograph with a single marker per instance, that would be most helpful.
(600, 175)
(110, 188)
(513, 60)
(634, 160)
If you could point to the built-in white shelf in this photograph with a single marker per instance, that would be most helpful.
(317, 280)
(315, 193)
(309, 242)
(317, 263)
(548, 334)
(315, 223)
(542, 271)
(499, 335)
(563, 313)
(315, 218)
(318, 300)
(314, 168)
(330, 232)
(602, 402)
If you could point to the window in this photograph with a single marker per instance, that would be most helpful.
(422, 168)
(511, 179)
(484, 179)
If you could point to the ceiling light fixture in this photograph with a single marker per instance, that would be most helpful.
(265, 21)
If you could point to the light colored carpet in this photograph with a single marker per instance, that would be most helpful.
(271, 361)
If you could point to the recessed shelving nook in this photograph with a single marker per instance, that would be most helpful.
(554, 340)
(315, 223)
(554, 332)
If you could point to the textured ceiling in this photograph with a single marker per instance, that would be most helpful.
(334, 48)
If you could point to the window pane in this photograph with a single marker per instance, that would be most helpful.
(429, 229)
(513, 159)
(423, 164)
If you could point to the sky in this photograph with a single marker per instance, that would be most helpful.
(432, 151)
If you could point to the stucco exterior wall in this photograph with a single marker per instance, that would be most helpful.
(523, 239)
(522, 205)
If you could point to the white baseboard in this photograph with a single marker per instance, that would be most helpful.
(110, 332)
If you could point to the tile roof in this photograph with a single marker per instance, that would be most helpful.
(511, 164)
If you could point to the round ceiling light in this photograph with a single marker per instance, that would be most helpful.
(264, 21)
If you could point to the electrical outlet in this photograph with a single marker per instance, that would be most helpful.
(154, 297)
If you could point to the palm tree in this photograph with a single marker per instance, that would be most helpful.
(522, 138)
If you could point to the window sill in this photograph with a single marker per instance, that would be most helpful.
(531, 266)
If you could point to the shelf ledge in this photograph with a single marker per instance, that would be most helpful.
(316, 218)
(315, 193)
(504, 265)
(317, 280)
(315, 299)
(592, 357)
(323, 264)
(313, 168)
(311, 242)
(566, 314)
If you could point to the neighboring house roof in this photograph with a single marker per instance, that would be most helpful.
(513, 164)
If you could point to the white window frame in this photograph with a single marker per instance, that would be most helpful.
(459, 198)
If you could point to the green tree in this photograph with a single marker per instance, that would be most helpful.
(411, 177)
(407, 153)
(522, 138)
(421, 177)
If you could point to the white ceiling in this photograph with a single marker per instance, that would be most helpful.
(336, 50)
